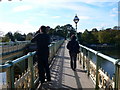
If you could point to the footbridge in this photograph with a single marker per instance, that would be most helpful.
(88, 75)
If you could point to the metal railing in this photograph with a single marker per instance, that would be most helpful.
(100, 78)
(11, 50)
(29, 77)
(12, 46)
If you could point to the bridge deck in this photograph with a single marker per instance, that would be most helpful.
(63, 76)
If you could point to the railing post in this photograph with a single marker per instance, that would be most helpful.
(83, 59)
(97, 68)
(80, 55)
(30, 66)
(10, 76)
(117, 75)
(88, 63)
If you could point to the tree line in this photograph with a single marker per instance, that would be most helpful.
(106, 36)
(57, 32)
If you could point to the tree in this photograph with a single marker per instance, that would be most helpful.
(79, 35)
(10, 36)
(18, 36)
(88, 38)
(29, 36)
(94, 30)
(5, 39)
(107, 36)
(63, 31)
(68, 29)
(57, 28)
(117, 39)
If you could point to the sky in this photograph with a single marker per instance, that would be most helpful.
(28, 15)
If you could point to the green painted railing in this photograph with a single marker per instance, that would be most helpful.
(97, 74)
(29, 78)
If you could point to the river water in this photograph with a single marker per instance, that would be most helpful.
(105, 64)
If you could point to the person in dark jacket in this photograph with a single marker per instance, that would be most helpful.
(73, 47)
(42, 40)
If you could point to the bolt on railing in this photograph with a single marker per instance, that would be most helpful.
(99, 77)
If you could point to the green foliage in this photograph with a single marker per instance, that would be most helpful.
(10, 36)
(19, 37)
(62, 31)
(108, 36)
(89, 37)
(5, 39)
(29, 36)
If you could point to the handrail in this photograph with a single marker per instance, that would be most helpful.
(95, 52)
(13, 43)
(107, 58)
(101, 78)
(100, 54)
(30, 75)
(14, 46)
(10, 63)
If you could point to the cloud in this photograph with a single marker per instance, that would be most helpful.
(7, 1)
(101, 0)
(51, 10)
(58, 1)
(22, 8)
(56, 17)
(113, 15)
(114, 12)
(28, 20)
(13, 27)
(84, 17)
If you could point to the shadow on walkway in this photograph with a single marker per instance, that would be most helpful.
(63, 77)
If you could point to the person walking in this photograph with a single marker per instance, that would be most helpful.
(42, 40)
(73, 47)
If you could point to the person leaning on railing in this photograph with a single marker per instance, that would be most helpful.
(42, 40)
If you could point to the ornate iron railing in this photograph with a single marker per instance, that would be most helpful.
(97, 74)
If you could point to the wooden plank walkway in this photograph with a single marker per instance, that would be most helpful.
(63, 77)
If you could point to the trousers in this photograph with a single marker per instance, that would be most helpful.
(73, 57)
(43, 68)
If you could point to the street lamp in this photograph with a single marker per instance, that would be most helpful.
(76, 20)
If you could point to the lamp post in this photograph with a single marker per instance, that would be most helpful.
(76, 20)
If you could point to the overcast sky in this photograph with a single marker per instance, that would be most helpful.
(28, 15)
